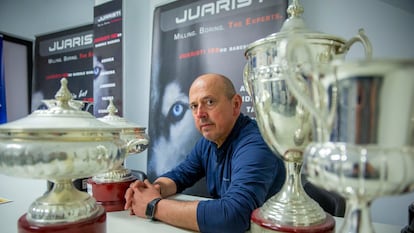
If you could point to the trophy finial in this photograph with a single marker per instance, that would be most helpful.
(294, 21)
(111, 108)
(295, 9)
(63, 95)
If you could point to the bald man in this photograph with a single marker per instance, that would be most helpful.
(241, 171)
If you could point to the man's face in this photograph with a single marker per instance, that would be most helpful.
(214, 114)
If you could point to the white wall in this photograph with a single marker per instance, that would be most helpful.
(17, 103)
(388, 27)
(27, 18)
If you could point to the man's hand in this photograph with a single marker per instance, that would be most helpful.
(129, 196)
(139, 194)
(177, 213)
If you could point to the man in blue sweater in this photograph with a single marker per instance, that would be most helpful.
(241, 171)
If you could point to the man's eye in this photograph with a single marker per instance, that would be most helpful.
(192, 106)
(177, 111)
(210, 102)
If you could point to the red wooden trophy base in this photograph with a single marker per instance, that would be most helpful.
(410, 227)
(110, 195)
(328, 226)
(95, 224)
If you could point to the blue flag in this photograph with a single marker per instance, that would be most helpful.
(3, 113)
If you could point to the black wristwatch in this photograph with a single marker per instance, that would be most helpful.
(152, 205)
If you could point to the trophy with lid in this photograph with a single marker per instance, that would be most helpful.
(109, 188)
(60, 144)
(285, 124)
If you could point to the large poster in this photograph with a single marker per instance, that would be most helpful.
(107, 60)
(191, 38)
(64, 54)
(3, 113)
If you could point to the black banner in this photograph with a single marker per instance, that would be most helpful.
(65, 54)
(191, 38)
(107, 61)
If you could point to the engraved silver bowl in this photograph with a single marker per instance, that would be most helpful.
(60, 144)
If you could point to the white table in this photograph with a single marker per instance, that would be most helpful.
(121, 222)
(23, 192)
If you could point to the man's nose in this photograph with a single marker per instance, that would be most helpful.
(200, 112)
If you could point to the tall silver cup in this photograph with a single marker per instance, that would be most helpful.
(285, 124)
(364, 117)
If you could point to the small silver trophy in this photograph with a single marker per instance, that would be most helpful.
(109, 188)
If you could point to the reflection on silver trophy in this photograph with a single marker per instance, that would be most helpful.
(364, 121)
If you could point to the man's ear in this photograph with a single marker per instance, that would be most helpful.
(237, 103)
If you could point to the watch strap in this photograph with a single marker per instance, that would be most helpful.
(151, 206)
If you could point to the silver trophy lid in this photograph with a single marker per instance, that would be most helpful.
(117, 121)
(63, 116)
(134, 135)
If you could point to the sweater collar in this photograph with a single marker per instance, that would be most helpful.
(221, 152)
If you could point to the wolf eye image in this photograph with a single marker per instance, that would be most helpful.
(99, 79)
(174, 134)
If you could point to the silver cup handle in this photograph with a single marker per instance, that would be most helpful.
(246, 73)
(361, 37)
(137, 145)
(309, 92)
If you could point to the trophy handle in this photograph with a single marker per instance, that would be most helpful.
(246, 72)
(303, 79)
(137, 145)
(361, 37)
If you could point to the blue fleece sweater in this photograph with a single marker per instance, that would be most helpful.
(240, 175)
